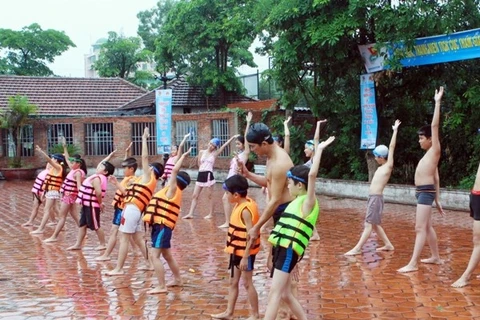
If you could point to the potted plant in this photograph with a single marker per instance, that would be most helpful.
(19, 109)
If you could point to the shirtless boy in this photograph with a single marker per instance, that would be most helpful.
(373, 219)
(427, 184)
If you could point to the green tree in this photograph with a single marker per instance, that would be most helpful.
(120, 55)
(19, 109)
(28, 51)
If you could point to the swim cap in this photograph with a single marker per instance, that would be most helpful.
(259, 132)
(310, 145)
(381, 151)
(58, 156)
(215, 142)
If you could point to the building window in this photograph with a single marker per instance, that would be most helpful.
(220, 130)
(26, 141)
(181, 129)
(187, 110)
(56, 131)
(137, 133)
(98, 139)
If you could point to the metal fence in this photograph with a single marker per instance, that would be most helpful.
(220, 129)
(181, 129)
(98, 139)
(56, 131)
(137, 133)
(26, 141)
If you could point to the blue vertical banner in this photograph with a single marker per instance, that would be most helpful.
(368, 138)
(163, 103)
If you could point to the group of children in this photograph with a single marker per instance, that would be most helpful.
(291, 203)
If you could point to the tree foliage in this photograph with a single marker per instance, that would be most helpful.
(314, 45)
(119, 56)
(28, 51)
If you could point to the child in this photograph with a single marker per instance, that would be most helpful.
(176, 150)
(290, 244)
(162, 214)
(475, 214)
(427, 184)
(37, 193)
(90, 196)
(242, 156)
(137, 197)
(242, 253)
(205, 179)
(51, 186)
(129, 166)
(69, 190)
(373, 219)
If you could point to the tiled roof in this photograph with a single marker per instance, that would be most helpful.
(185, 95)
(57, 96)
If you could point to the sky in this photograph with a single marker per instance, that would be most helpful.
(84, 21)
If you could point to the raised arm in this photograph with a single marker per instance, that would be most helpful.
(107, 158)
(309, 202)
(393, 142)
(127, 150)
(182, 143)
(436, 120)
(316, 137)
(219, 150)
(145, 164)
(246, 146)
(286, 139)
(65, 153)
(54, 164)
(172, 183)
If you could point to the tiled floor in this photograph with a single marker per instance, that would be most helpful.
(39, 280)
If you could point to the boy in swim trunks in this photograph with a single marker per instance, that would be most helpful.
(475, 214)
(427, 184)
(373, 219)
(242, 252)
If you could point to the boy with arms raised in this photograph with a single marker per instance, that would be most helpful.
(292, 233)
(373, 219)
(162, 214)
(427, 184)
(242, 253)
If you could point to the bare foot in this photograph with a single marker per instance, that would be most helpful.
(209, 216)
(74, 248)
(432, 261)
(146, 268)
(27, 224)
(188, 216)
(51, 239)
(175, 283)
(114, 272)
(157, 290)
(223, 315)
(100, 248)
(51, 224)
(225, 225)
(38, 231)
(353, 252)
(460, 283)
(386, 248)
(315, 237)
(102, 258)
(407, 268)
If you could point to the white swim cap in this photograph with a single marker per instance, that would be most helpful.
(381, 151)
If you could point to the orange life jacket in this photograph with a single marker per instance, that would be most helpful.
(139, 193)
(53, 181)
(118, 199)
(162, 210)
(237, 232)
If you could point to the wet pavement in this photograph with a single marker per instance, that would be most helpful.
(44, 281)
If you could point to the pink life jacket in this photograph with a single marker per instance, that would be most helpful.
(69, 185)
(86, 194)
(37, 185)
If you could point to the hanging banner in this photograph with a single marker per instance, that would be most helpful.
(457, 46)
(163, 113)
(368, 138)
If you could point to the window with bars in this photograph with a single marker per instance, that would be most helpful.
(181, 129)
(221, 131)
(56, 131)
(137, 133)
(26, 141)
(98, 139)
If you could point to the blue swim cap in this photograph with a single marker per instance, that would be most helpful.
(215, 142)
(310, 145)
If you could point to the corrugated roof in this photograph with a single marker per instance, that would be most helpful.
(58, 96)
(185, 95)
